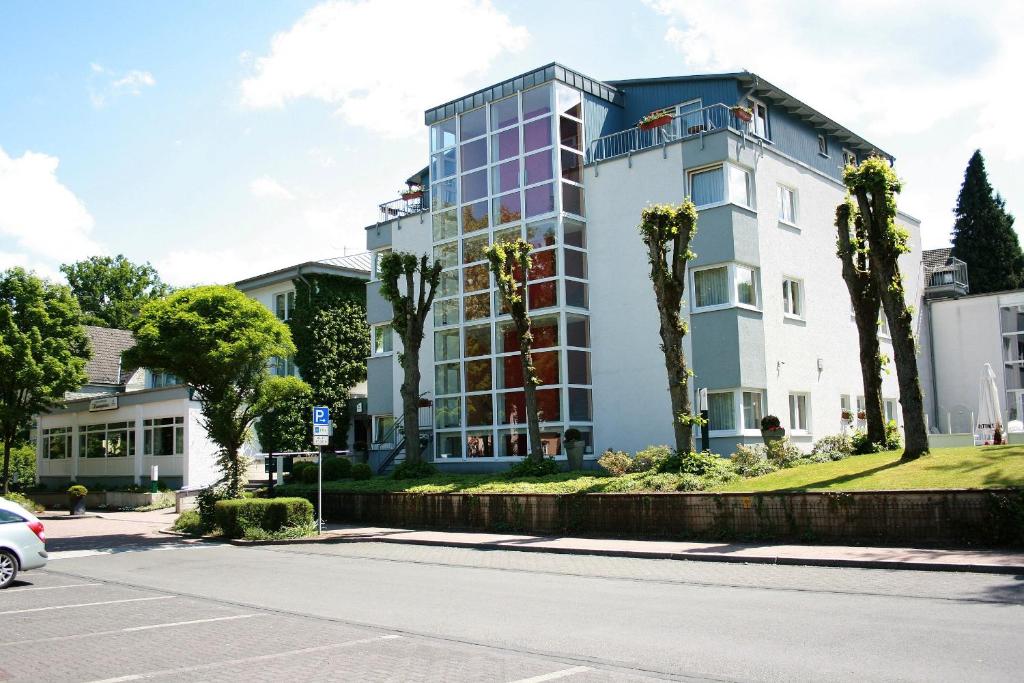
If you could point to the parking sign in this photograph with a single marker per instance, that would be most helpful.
(321, 415)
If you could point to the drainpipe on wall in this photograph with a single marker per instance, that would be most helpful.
(309, 287)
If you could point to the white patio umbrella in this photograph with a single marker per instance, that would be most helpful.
(990, 415)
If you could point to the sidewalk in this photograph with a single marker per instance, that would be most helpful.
(988, 561)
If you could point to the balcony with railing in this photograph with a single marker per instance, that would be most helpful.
(682, 126)
(410, 203)
(948, 280)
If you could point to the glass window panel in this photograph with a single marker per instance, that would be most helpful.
(479, 410)
(545, 331)
(473, 248)
(551, 443)
(446, 379)
(711, 287)
(446, 345)
(505, 145)
(543, 264)
(443, 195)
(474, 216)
(478, 375)
(746, 285)
(473, 154)
(512, 408)
(479, 444)
(540, 200)
(500, 305)
(545, 364)
(504, 113)
(787, 205)
(442, 135)
(510, 371)
(549, 405)
(383, 339)
(543, 295)
(449, 445)
(570, 101)
(578, 364)
(512, 443)
(505, 177)
(449, 284)
(507, 208)
(579, 405)
(448, 412)
(572, 166)
(536, 102)
(751, 410)
(707, 187)
(575, 233)
(473, 124)
(577, 331)
(507, 339)
(478, 341)
(537, 134)
(447, 254)
(446, 312)
(572, 199)
(721, 412)
(739, 186)
(445, 225)
(477, 306)
(442, 164)
(508, 234)
(475, 278)
(576, 294)
(474, 186)
(575, 263)
(538, 167)
(570, 133)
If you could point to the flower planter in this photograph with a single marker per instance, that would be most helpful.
(656, 123)
(76, 505)
(574, 454)
(409, 196)
(742, 114)
(772, 434)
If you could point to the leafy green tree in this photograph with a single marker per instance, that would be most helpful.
(411, 306)
(332, 341)
(285, 426)
(510, 263)
(874, 186)
(667, 231)
(852, 249)
(43, 351)
(112, 291)
(219, 341)
(983, 235)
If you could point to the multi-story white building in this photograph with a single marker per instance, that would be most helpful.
(557, 158)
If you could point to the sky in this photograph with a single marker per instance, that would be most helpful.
(220, 140)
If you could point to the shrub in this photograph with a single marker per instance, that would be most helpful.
(573, 434)
(24, 502)
(414, 470)
(337, 468)
(694, 463)
(309, 474)
(531, 468)
(834, 447)
(770, 422)
(206, 501)
(893, 441)
(689, 482)
(361, 471)
(77, 491)
(615, 463)
(188, 522)
(23, 466)
(298, 467)
(237, 516)
(751, 460)
(650, 458)
(861, 445)
(782, 453)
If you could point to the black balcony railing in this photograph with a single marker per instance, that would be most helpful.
(404, 207)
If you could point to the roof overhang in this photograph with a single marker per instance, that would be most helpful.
(292, 272)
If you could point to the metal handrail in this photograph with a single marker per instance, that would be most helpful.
(690, 124)
(398, 208)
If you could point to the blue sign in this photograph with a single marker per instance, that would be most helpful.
(321, 415)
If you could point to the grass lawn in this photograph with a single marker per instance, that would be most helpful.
(977, 467)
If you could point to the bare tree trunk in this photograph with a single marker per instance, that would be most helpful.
(678, 380)
(411, 402)
(529, 387)
(871, 369)
(7, 465)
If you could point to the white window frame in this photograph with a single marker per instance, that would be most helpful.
(804, 415)
(740, 429)
(788, 301)
(375, 331)
(747, 202)
(823, 145)
(755, 105)
(849, 157)
(780, 191)
(375, 265)
(890, 409)
(288, 299)
(377, 428)
(733, 288)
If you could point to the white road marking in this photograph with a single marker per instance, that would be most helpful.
(85, 604)
(243, 660)
(555, 674)
(50, 588)
(74, 554)
(188, 623)
(91, 634)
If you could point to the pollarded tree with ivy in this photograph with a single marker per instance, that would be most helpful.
(852, 249)
(667, 231)
(874, 186)
(510, 263)
(411, 306)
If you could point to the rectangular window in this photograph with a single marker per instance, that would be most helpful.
(283, 305)
(793, 297)
(164, 436)
(739, 186)
(721, 412)
(752, 410)
(57, 443)
(114, 440)
(822, 146)
(760, 122)
(383, 428)
(890, 409)
(844, 407)
(711, 287)
(798, 415)
(746, 285)
(383, 339)
(849, 157)
(726, 183)
(787, 204)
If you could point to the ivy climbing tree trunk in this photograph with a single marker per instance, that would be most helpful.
(667, 232)
(874, 185)
(410, 313)
(852, 252)
(510, 263)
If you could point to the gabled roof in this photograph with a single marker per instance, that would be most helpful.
(107, 346)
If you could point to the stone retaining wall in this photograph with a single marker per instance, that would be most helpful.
(939, 517)
(97, 499)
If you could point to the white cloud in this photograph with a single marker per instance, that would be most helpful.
(106, 84)
(45, 220)
(266, 187)
(373, 61)
(926, 81)
(133, 81)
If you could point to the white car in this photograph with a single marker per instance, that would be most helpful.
(22, 541)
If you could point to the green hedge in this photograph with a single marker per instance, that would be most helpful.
(268, 514)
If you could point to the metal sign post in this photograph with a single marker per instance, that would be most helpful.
(321, 437)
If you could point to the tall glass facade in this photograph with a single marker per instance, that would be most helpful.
(511, 168)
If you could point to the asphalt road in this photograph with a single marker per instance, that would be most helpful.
(368, 611)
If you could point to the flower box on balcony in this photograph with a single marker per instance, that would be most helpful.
(861, 415)
(847, 415)
(412, 194)
(743, 114)
(656, 123)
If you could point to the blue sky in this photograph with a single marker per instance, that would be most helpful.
(219, 140)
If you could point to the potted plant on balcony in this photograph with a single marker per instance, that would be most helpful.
(573, 443)
(744, 114)
(862, 415)
(846, 415)
(76, 499)
(413, 192)
(771, 429)
(655, 119)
